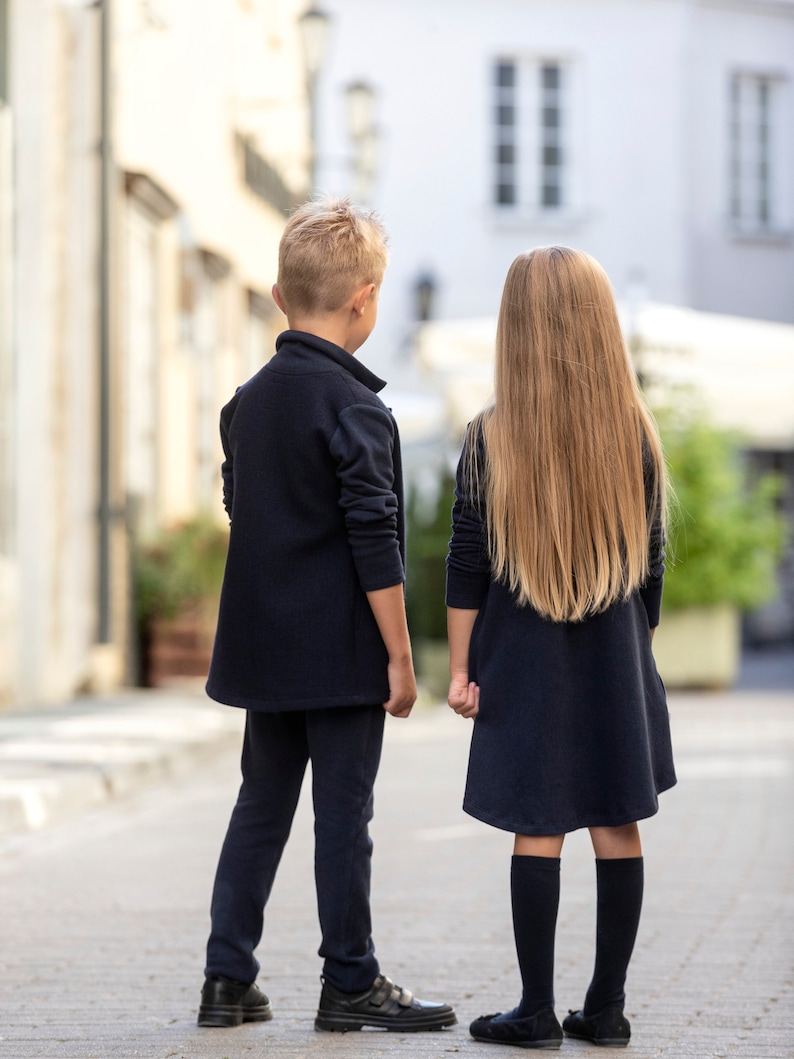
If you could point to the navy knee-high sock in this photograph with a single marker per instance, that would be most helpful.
(619, 904)
(535, 892)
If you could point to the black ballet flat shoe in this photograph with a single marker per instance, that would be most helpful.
(384, 1005)
(541, 1030)
(225, 1002)
(609, 1028)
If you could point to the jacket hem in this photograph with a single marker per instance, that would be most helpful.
(284, 705)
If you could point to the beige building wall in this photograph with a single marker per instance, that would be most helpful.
(210, 136)
(8, 570)
(51, 491)
(234, 78)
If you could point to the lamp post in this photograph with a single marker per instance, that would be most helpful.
(315, 25)
(106, 200)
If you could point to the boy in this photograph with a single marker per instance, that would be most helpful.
(312, 639)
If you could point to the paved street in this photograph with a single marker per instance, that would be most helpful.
(104, 912)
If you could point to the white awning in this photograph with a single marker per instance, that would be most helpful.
(741, 371)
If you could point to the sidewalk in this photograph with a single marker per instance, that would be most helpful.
(55, 762)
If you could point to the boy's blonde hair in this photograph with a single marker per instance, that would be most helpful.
(328, 250)
(569, 514)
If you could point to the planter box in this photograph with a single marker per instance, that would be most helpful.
(180, 646)
(698, 647)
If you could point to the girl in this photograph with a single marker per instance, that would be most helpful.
(554, 588)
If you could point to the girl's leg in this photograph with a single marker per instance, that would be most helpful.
(535, 892)
(612, 843)
(619, 873)
(538, 845)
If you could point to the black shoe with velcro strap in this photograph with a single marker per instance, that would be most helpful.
(383, 1006)
(227, 1002)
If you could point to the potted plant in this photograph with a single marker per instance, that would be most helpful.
(724, 539)
(177, 577)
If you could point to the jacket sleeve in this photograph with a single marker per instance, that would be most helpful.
(468, 565)
(227, 467)
(363, 449)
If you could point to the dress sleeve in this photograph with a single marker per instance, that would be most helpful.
(468, 565)
(651, 590)
(363, 448)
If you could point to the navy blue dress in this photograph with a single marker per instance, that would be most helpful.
(573, 729)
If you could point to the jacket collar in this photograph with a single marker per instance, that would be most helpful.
(329, 349)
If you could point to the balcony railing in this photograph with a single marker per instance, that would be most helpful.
(264, 179)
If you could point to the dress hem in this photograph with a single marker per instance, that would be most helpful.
(605, 820)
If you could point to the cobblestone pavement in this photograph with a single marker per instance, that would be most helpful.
(104, 913)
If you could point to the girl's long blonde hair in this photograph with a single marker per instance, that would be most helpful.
(569, 508)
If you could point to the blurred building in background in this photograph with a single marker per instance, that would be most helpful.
(149, 153)
(658, 135)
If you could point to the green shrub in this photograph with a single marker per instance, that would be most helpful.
(725, 533)
(429, 528)
(182, 565)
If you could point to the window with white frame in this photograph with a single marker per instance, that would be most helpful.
(757, 153)
(532, 134)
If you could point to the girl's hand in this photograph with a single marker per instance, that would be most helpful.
(464, 695)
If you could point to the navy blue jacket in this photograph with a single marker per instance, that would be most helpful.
(312, 482)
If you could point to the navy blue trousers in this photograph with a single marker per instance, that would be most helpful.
(344, 747)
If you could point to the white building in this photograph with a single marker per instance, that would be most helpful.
(656, 134)
(208, 139)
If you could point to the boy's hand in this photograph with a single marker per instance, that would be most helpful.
(464, 695)
(388, 606)
(402, 689)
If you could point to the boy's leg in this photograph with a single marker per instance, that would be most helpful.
(275, 753)
(345, 746)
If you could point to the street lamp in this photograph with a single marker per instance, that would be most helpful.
(425, 293)
(315, 25)
(360, 100)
